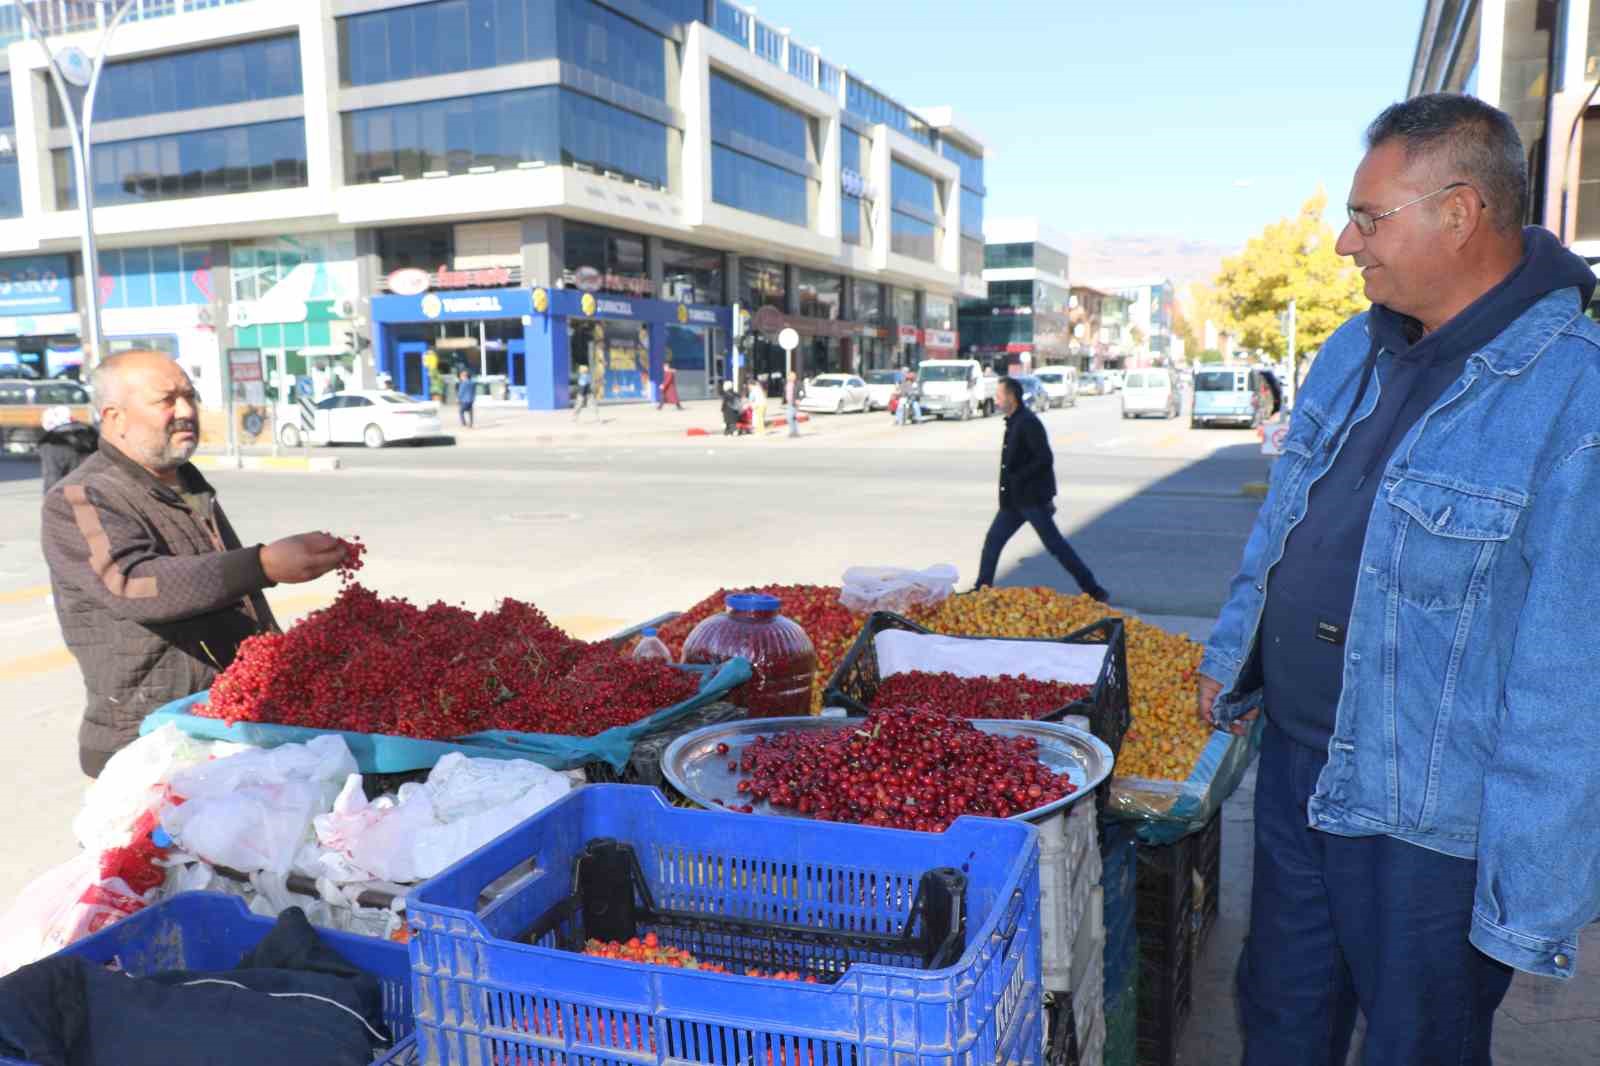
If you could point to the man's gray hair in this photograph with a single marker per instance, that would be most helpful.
(1470, 141)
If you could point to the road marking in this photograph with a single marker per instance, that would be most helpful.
(32, 592)
(42, 663)
(1113, 442)
(1170, 440)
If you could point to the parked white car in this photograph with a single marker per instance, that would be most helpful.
(836, 393)
(1060, 384)
(1150, 392)
(373, 417)
(881, 386)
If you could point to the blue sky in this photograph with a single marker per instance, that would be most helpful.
(1205, 119)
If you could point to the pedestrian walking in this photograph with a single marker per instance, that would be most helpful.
(791, 400)
(731, 410)
(585, 390)
(65, 445)
(758, 406)
(1411, 611)
(466, 398)
(908, 409)
(669, 387)
(1027, 493)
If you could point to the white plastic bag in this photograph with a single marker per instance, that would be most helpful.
(893, 588)
(252, 811)
(61, 906)
(132, 781)
(1042, 660)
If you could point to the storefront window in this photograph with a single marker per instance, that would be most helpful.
(690, 274)
(938, 312)
(421, 247)
(617, 353)
(605, 260)
(500, 130)
(821, 295)
(761, 283)
(905, 306)
(313, 267)
(167, 276)
(1008, 256)
(867, 302)
(266, 155)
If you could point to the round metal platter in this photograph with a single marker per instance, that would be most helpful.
(695, 769)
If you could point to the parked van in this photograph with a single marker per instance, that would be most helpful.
(23, 403)
(1235, 395)
(1150, 392)
(1060, 384)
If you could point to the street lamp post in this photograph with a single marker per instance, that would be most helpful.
(71, 66)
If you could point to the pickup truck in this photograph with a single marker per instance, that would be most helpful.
(955, 388)
(23, 403)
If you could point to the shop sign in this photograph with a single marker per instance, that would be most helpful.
(40, 326)
(908, 334)
(244, 364)
(408, 281)
(433, 305)
(768, 319)
(484, 278)
(939, 338)
(35, 285)
(607, 306)
(589, 279)
(702, 316)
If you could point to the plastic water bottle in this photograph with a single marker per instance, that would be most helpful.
(651, 647)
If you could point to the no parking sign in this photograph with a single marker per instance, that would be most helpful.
(1273, 434)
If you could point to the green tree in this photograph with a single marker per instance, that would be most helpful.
(1210, 355)
(1291, 259)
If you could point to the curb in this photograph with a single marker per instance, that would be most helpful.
(1254, 489)
(266, 462)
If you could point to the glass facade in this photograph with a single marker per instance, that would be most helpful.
(971, 186)
(863, 100)
(454, 35)
(263, 69)
(914, 207)
(1025, 254)
(938, 312)
(10, 182)
(904, 302)
(867, 302)
(759, 185)
(1526, 82)
(821, 295)
(737, 108)
(853, 220)
(619, 258)
(267, 155)
(546, 124)
(749, 184)
(761, 283)
(421, 247)
(971, 255)
(170, 275)
(1589, 179)
(692, 275)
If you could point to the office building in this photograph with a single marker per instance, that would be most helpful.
(393, 189)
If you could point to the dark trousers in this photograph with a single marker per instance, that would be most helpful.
(466, 414)
(1338, 923)
(1042, 518)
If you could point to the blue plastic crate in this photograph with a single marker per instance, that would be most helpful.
(212, 931)
(483, 996)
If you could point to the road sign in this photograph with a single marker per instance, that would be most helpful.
(788, 340)
(244, 364)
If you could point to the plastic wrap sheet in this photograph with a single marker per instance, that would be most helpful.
(1169, 810)
(385, 754)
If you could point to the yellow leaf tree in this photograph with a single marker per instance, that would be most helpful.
(1292, 259)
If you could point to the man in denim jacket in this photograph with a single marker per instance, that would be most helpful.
(1413, 611)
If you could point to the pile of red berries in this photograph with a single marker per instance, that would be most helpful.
(649, 949)
(353, 552)
(373, 664)
(907, 768)
(977, 697)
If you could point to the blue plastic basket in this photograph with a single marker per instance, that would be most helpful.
(482, 996)
(212, 931)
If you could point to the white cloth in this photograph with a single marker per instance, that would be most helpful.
(1041, 660)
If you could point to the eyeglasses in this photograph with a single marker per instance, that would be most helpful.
(1368, 224)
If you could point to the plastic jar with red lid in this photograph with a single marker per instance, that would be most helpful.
(783, 661)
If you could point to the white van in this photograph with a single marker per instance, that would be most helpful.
(1060, 384)
(1150, 392)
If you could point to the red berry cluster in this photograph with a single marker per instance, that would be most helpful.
(373, 664)
(649, 949)
(135, 862)
(977, 697)
(353, 561)
(907, 768)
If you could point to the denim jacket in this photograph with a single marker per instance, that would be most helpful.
(1469, 721)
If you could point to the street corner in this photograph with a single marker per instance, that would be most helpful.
(281, 463)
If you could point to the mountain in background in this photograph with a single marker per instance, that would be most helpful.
(1116, 257)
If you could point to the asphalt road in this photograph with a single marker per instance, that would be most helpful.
(609, 526)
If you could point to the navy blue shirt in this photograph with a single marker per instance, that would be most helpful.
(1312, 589)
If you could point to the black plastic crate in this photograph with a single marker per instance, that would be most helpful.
(611, 901)
(1061, 1048)
(855, 681)
(1166, 884)
(1165, 1001)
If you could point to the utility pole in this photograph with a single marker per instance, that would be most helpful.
(70, 66)
(1293, 385)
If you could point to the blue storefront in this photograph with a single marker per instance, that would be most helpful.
(543, 335)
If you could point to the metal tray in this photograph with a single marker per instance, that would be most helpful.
(693, 766)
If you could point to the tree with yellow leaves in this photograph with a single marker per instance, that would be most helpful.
(1292, 259)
